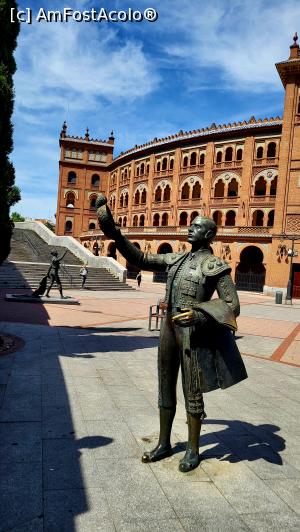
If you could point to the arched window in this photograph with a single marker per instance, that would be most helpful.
(142, 169)
(158, 166)
(68, 226)
(271, 151)
(194, 215)
(185, 161)
(258, 218)
(157, 196)
(124, 221)
(185, 191)
(148, 168)
(135, 221)
(95, 180)
(92, 226)
(270, 222)
(171, 164)
(167, 193)
(183, 218)
(144, 196)
(137, 197)
(70, 200)
(219, 189)
(120, 220)
(142, 220)
(219, 157)
(121, 201)
(273, 188)
(233, 188)
(93, 203)
(156, 220)
(217, 217)
(239, 154)
(164, 219)
(260, 187)
(196, 191)
(72, 177)
(202, 158)
(125, 173)
(228, 154)
(259, 152)
(230, 218)
(164, 164)
(126, 200)
(138, 171)
(193, 160)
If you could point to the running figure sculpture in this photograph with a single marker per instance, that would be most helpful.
(196, 332)
(53, 272)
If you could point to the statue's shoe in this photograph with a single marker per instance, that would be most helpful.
(159, 453)
(189, 462)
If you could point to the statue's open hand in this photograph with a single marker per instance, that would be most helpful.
(188, 317)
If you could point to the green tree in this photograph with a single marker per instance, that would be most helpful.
(9, 193)
(16, 217)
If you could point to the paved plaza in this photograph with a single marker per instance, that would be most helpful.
(78, 408)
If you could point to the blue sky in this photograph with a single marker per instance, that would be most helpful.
(202, 61)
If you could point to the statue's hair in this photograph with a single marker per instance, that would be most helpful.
(53, 252)
(210, 224)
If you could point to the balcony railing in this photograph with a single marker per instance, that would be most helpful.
(192, 168)
(266, 161)
(262, 200)
(226, 200)
(228, 164)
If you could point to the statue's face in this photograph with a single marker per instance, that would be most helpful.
(198, 230)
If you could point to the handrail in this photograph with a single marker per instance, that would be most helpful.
(67, 273)
(31, 245)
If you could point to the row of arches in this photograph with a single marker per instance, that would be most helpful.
(162, 194)
(271, 151)
(193, 159)
(259, 218)
(229, 154)
(72, 178)
(261, 187)
(71, 201)
(142, 169)
(140, 196)
(164, 164)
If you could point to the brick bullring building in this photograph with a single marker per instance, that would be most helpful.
(245, 175)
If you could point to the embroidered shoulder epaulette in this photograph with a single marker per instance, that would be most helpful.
(171, 258)
(214, 265)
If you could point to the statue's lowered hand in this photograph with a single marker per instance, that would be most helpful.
(105, 218)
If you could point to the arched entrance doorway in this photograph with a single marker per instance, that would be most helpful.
(161, 277)
(250, 273)
(132, 270)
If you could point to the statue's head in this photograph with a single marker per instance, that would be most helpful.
(202, 230)
(54, 253)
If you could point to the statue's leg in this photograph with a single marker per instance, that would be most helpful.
(50, 286)
(58, 281)
(191, 457)
(168, 367)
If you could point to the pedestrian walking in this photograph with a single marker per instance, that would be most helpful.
(83, 272)
(139, 279)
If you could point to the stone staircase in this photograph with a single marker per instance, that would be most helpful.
(29, 261)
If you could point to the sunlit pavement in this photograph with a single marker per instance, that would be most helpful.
(79, 407)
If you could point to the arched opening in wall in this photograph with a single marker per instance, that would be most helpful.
(193, 160)
(70, 200)
(259, 152)
(137, 198)
(219, 189)
(217, 217)
(165, 248)
(144, 196)
(125, 173)
(183, 218)
(72, 177)
(273, 188)
(185, 161)
(92, 226)
(120, 221)
(158, 166)
(68, 226)
(121, 201)
(250, 272)
(157, 196)
(167, 193)
(196, 194)
(258, 218)
(270, 222)
(147, 168)
(125, 221)
(126, 200)
(260, 187)
(194, 215)
(164, 219)
(230, 218)
(142, 220)
(233, 188)
(112, 250)
(164, 164)
(185, 191)
(228, 154)
(239, 154)
(132, 270)
(138, 171)
(171, 164)
(156, 220)
(93, 203)
(219, 157)
(135, 221)
(142, 169)
(202, 158)
(271, 151)
(161, 277)
(95, 180)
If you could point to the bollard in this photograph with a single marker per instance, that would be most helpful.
(278, 297)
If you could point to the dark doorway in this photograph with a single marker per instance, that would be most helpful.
(250, 273)
(296, 281)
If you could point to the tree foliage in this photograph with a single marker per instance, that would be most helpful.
(9, 193)
(17, 217)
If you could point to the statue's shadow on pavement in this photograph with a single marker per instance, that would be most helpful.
(240, 441)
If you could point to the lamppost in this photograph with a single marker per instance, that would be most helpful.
(291, 252)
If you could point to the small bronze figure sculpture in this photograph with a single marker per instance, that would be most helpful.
(196, 332)
(53, 272)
